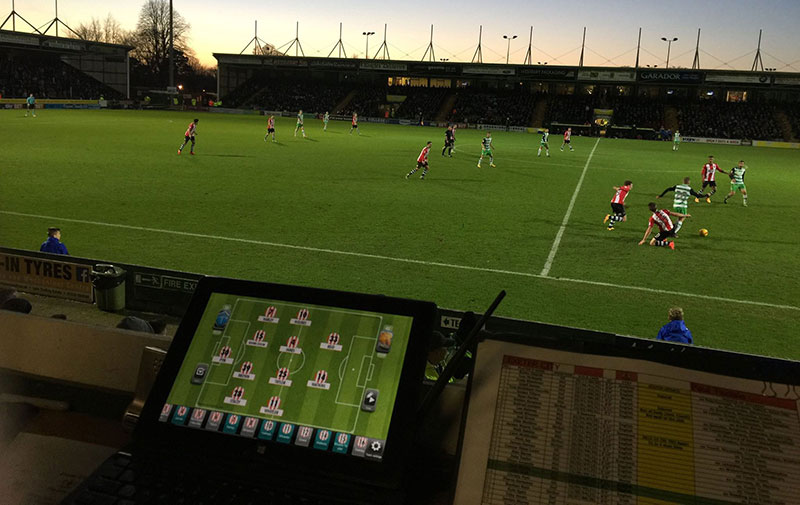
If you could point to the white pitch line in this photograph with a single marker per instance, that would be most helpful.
(408, 261)
(557, 241)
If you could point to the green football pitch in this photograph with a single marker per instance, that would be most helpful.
(335, 211)
(235, 357)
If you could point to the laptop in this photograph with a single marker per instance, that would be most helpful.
(277, 394)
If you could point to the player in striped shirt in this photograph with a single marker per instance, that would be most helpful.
(300, 124)
(354, 124)
(567, 139)
(681, 200)
(544, 143)
(486, 149)
(325, 119)
(709, 173)
(618, 205)
(737, 182)
(422, 162)
(191, 131)
(270, 128)
(666, 229)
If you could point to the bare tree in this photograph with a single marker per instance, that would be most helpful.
(152, 35)
(108, 30)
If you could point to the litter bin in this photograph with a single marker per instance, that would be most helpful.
(109, 287)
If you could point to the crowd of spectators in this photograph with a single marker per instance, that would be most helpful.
(570, 109)
(793, 114)
(639, 111)
(501, 107)
(48, 77)
(424, 102)
(293, 96)
(729, 120)
(367, 102)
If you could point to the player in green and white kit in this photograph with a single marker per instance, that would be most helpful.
(300, 124)
(325, 119)
(486, 149)
(543, 144)
(681, 202)
(676, 141)
(737, 182)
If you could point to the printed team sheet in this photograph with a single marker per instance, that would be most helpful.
(555, 427)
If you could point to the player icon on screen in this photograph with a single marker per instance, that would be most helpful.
(245, 371)
(320, 381)
(291, 345)
(273, 406)
(274, 403)
(332, 343)
(224, 356)
(302, 318)
(259, 339)
(270, 315)
(281, 378)
(222, 319)
(384, 344)
(236, 397)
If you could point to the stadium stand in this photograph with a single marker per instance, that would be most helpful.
(742, 120)
(425, 101)
(570, 109)
(793, 115)
(501, 107)
(366, 102)
(46, 76)
(639, 111)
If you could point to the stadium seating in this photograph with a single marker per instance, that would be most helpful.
(743, 120)
(48, 77)
(501, 107)
(793, 114)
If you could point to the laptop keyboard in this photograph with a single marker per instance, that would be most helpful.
(122, 480)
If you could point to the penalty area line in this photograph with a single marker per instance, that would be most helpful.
(404, 260)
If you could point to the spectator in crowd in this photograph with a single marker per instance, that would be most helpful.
(675, 330)
(53, 243)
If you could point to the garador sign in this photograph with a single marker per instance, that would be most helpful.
(670, 76)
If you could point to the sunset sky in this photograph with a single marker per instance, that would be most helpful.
(728, 39)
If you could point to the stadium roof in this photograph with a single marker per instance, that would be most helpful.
(465, 70)
(37, 41)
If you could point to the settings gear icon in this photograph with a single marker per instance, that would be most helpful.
(375, 446)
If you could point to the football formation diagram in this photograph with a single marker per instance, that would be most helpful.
(319, 367)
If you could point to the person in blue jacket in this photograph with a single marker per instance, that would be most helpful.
(53, 243)
(675, 330)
